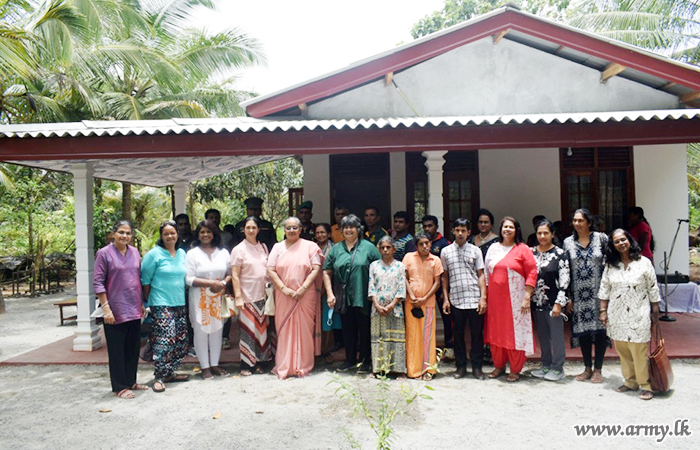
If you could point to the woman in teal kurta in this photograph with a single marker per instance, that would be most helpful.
(348, 264)
(163, 281)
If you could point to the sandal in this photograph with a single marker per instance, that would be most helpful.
(176, 378)
(513, 377)
(139, 387)
(585, 375)
(219, 371)
(246, 373)
(158, 386)
(206, 374)
(497, 372)
(427, 377)
(126, 394)
(597, 377)
(624, 388)
(259, 370)
(646, 395)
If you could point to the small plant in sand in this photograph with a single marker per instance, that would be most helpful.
(382, 404)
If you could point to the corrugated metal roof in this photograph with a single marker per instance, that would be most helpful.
(248, 125)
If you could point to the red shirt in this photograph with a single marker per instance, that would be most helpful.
(636, 231)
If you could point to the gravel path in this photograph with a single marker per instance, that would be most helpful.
(51, 407)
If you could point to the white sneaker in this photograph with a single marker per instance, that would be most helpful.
(540, 373)
(554, 375)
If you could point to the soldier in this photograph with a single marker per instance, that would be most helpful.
(305, 213)
(267, 234)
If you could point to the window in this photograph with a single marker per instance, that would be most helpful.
(599, 179)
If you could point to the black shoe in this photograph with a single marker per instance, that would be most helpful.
(346, 366)
(364, 368)
(478, 374)
(460, 373)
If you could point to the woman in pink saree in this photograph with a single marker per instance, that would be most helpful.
(293, 267)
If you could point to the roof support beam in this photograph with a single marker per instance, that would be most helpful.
(613, 69)
(498, 36)
(690, 97)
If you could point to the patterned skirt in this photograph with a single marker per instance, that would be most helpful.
(168, 338)
(388, 340)
(257, 336)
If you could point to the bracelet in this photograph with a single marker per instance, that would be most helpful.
(603, 310)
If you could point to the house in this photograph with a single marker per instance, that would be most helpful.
(507, 111)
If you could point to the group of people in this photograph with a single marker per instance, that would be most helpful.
(375, 293)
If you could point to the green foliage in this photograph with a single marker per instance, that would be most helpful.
(381, 405)
(693, 161)
(35, 211)
(269, 181)
(668, 26)
(457, 11)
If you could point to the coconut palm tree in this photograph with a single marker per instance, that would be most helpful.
(671, 27)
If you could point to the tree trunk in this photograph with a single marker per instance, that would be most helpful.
(126, 201)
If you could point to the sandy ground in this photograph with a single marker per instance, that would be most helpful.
(53, 407)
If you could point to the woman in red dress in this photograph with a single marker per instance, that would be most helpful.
(511, 276)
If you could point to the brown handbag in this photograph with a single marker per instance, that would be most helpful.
(660, 372)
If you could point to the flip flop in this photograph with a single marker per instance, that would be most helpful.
(427, 377)
(584, 376)
(597, 377)
(139, 387)
(513, 377)
(259, 370)
(497, 372)
(246, 373)
(126, 394)
(158, 389)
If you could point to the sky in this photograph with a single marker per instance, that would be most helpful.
(303, 39)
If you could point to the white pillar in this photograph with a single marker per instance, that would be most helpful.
(434, 162)
(317, 186)
(86, 337)
(397, 168)
(180, 194)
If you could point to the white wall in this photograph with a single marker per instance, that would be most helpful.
(661, 188)
(317, 187)
(482, 78)
(520, 183)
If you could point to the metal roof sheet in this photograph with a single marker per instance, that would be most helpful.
(250, 125)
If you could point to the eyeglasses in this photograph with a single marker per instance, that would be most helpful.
(292, 228)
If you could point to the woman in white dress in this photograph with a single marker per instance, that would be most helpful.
(208, 273)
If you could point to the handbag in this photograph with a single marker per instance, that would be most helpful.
(228, 309)
(269, 309)
(660, 372)
(340, 289)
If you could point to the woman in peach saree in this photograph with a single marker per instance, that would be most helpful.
(293, 266)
